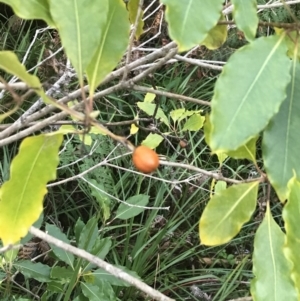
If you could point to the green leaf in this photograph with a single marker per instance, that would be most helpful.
(271, 269)
(226, 212)
(132, 7)
(194, 123)
(126, 211)
(22, 195)
(102, 275)
(281, 138)
(240, 111)
(246, 18)
(78, 229)
(149, 108)
(291, 216)
(220, 186)
(100, 249)
(190, 21)
(98, 293)
(62, 255)
(149, 97)
(37, 271)
(11, 64)
(177, 114)
(55, 286)
(247, 151)
(31, 9)
(88, 235)
(113, 43)
(216, 36)
(62, 274)
(153, 140)
(80, 24)
(102, 198)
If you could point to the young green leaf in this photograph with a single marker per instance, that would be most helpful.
(242, 108)
(226, 213)
(153, 140)
(22, 195)
(190, 21)
(281, 137)
(112, 45)
(31, 9)
(271, 269)
(64, 256)
(81, 25)
(134, 208)
(149, 108)
(291, 216)
(246, 18)
(37, 271)
(194, 123)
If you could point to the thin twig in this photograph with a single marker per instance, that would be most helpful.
(118, 273)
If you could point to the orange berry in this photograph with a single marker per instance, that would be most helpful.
(145, 159)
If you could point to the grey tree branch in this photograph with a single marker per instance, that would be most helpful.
(118, 273)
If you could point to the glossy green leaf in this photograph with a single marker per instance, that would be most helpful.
(237, 103)
(271, 269)
(62, 255)
(133, 208)
(194, 123)
(149, 108)
(153, 140)
(88, 235)
(226, 213)
(190, 21)
(216, 36)
(112, 46)
(246, 18)
(37, 271)
(281, 139)
(291, 216)
(80, 24)
(22, 195)
(31, 9)
(132, 7)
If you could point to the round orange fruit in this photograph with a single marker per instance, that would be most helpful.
(145, 159)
